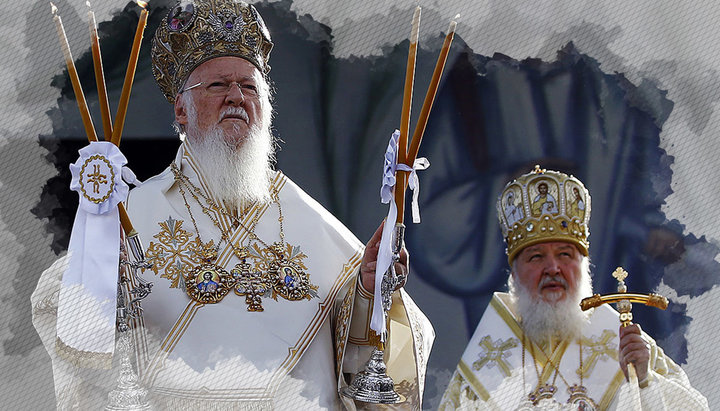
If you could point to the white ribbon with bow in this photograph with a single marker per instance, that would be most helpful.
(87, 301)
(384, 258)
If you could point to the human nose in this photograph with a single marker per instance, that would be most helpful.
(552, 266)
(234, 94)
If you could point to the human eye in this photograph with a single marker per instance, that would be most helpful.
(217, 87)
(565, 254)
(251, 88)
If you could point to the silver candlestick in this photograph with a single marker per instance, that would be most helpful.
(373, 385)
(129, 395)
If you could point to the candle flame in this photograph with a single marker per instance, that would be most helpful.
(87, 3)
(453, 24)
(141, 3)
(415, 31)
(53, 8)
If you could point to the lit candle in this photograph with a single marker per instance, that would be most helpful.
(82, 105)
(430, 95)
(99, 76)
(74, 79)
(401, 176)
(129, 75)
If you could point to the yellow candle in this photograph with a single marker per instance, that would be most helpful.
(82, 104)
(401, 176)
(409, 80)
(74, 79)
(129, 75)
(99, 76)
(430, 96)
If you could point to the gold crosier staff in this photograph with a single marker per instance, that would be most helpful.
(624, 302)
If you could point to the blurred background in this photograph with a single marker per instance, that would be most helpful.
(623, 96)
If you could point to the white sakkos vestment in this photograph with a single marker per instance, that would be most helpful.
(490, 375)
(295, 353)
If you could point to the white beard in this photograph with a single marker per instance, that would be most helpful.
(560, 320)
(237, 176)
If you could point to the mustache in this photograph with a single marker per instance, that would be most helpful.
(547, 279)
(235, 112)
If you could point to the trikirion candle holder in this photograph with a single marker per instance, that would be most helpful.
(129, 395)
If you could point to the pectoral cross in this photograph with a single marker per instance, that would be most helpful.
(252, 284)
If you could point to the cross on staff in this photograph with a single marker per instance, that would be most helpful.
(624, 299)
(624, 302)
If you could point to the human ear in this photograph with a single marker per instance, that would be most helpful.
(180, 111)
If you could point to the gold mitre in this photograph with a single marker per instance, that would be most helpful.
(196, 31)
(541, 206)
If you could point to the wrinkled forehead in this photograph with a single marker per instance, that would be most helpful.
(226, 68)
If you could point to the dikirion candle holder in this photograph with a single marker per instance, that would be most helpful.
(372, 384)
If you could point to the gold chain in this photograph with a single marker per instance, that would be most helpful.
(187, 205)
(550, 362)
(197, 193)
(284, 276)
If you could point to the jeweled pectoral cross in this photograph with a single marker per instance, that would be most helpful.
(252, 284)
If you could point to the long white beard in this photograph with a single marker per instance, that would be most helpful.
(561, 320)
(237, 176)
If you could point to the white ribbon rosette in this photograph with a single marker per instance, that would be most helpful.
(384, 258)
(87, 301)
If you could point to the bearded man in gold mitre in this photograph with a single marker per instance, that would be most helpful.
(534, 347)
(261, 298)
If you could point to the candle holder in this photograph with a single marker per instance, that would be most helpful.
(129, 395)
(373, 385)
(143, 288)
